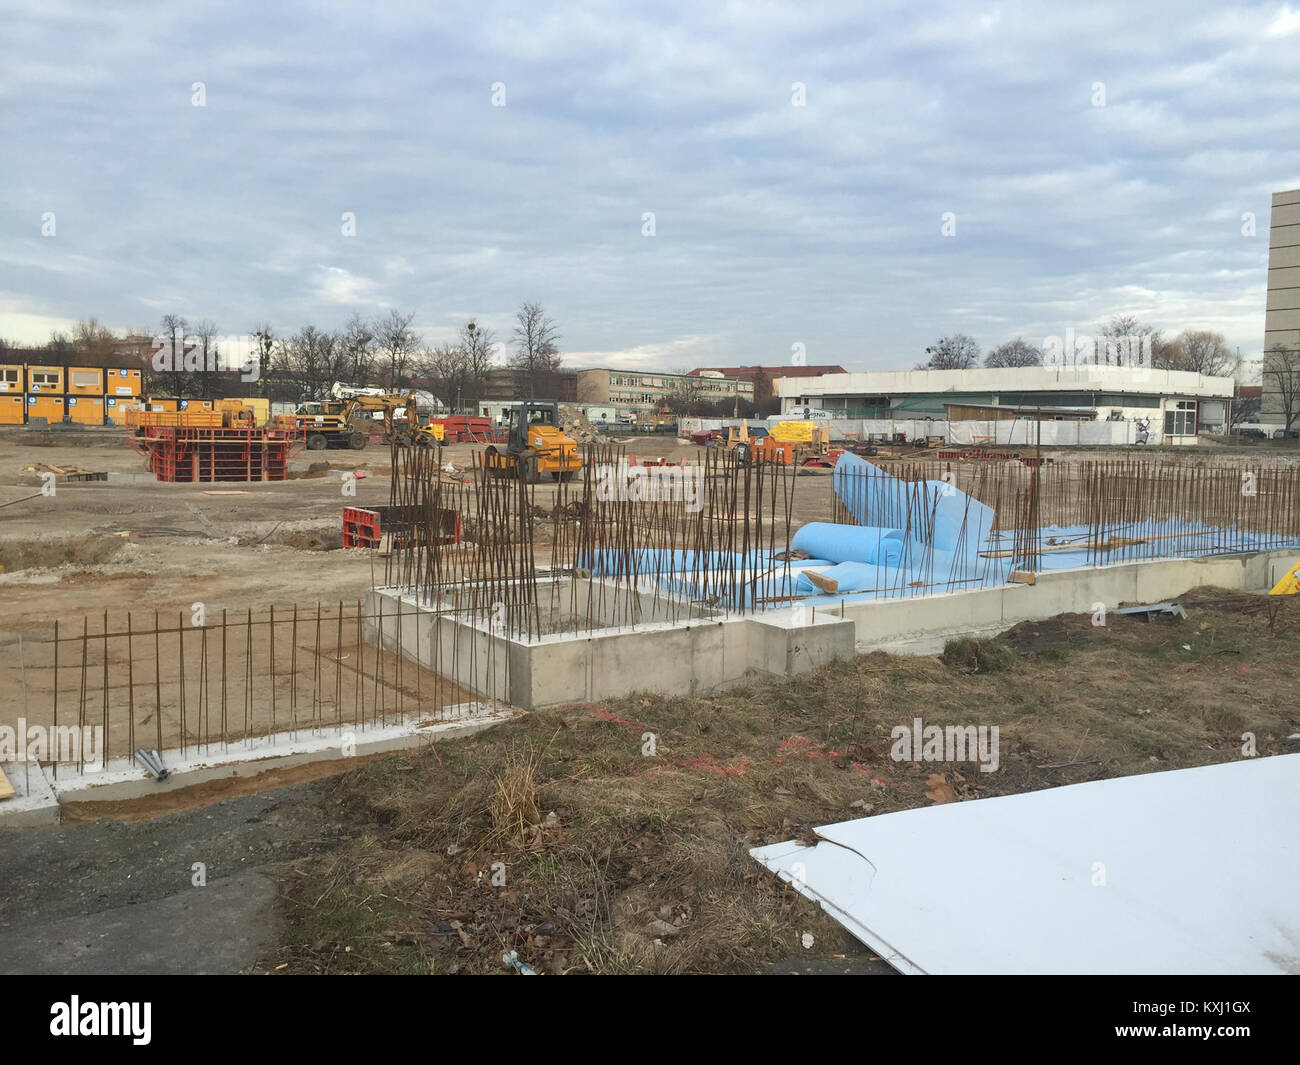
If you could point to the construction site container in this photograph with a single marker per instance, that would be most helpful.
(48, 407)
(85, 381)
(260, 406)
(86, 410)
(45, 380)
(13, 377)
(161, 403)
(122, 382)
(116, 408)
(198, 404)
(11, 410)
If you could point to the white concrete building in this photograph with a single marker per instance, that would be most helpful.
(1174, 404)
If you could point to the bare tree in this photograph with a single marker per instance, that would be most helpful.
(397, 345)
(477, 344)
(536, 359)
(264, 342)
(1281, 376)
(93, 342)
(358, 341)
(447, 367)
(1013, 353)
(167, 370)
(956, 352)
(311, 360)
(1204, 352)
(765, 398)
(1245, 408)
(685, 394)
(1126, 341)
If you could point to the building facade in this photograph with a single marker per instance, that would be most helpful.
(1281, 376)
(644, 395)
(1177, 405)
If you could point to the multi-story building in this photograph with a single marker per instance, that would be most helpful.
(645, 394)
(1280, 401)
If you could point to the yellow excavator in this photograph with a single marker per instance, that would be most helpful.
(346, 423)
(535, 447)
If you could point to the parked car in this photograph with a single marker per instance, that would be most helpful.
(1286, 434)
(1251, 433)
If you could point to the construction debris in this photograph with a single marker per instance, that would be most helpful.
(574, 424)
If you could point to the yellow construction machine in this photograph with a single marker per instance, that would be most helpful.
(347, 423)
(535, 445)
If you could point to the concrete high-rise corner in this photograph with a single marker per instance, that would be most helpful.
(1280, 400)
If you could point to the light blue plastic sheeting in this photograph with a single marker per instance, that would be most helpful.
(881, 501)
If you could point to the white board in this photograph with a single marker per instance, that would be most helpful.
(1190, 871)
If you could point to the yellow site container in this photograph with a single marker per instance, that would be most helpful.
(122, 382)
(261, 407)
(11, 410)
(198, 404)
(86, 410)
(85, 381)
(45, 380)
(48, 407)
(13, 378)
(115, 409)
(161, 403)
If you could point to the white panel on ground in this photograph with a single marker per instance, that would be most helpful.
(1189, 871)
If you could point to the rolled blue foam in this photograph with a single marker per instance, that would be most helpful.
(850, 543)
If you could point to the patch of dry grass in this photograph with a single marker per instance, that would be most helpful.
(559, 837)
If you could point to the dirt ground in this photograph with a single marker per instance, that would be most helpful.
(614, 859)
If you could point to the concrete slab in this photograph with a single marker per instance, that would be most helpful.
(33, 801)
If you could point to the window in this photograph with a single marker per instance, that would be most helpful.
(45, 377)
(10, 377)
(84, 378)
(1182, 420)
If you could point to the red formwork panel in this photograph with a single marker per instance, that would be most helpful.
(211, 454)
(365, 526)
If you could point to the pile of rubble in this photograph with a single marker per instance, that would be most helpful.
(574, 424)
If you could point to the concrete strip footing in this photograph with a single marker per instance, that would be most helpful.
(123, 779)
(33, 801)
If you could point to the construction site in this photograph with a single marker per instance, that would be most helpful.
(548, 646)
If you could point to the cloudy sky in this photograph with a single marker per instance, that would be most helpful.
(799, 161)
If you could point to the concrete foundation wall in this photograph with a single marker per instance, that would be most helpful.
(687, 658)
(922, 624)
